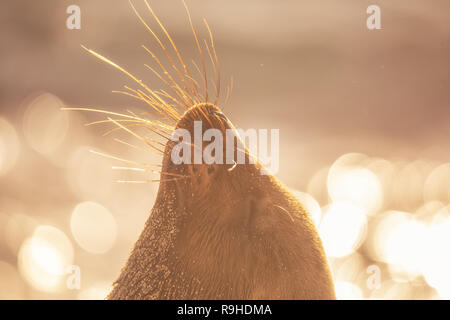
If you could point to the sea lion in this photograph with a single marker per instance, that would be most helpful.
(224, 233)
(216, 231)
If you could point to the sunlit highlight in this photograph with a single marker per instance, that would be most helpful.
(44, 257)
(342, 229)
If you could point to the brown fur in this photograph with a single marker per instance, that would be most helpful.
(224, 234)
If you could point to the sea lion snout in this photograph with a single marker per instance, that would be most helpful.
(200, 139)
(210, 115)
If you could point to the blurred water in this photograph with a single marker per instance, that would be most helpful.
(363, 118)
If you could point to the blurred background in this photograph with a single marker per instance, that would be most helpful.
(364, 123)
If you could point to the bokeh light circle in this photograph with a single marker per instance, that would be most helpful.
(93, 227)
(45, 124)
(348, 181)
(310, 204)
(90, 175)
(44, 257)
(436, 260)
(342, 229)
(347, 291)
(97, 291)
(437, 185)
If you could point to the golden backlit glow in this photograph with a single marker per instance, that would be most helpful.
(97, 291)
(349, 182)
(93, 227)
(310, 204)
(347, 291)
(398, 241)
(391, 289)
(317, 185)
(437, 185)
(391, 214)
(436, 261)
(44, 257)
(343, 228)
(350, 268)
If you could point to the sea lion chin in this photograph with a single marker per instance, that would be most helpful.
(224, 231)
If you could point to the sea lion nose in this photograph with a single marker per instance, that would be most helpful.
(221, 115)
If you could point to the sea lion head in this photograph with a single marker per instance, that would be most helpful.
(240, 233)
(222, 189)
(217, 230)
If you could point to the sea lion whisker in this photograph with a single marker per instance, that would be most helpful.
(149, 170)
(127, 94)
(158, 104)
(205, 79)
(166, 94)
(216, 64)
(284, 210)
(148, 181)
(229, 90)
(186, 69)
(169, 109)
(105, 155)
(163, 80)
(115, 65)
(103, 111)
(106, 133)
(136, 147)
(187, 100)
(118, 120)
(144, 125)
(234, 166)
(136, 135)
(163, 47)
(132, 113)
(149, 100)
(214, 70)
